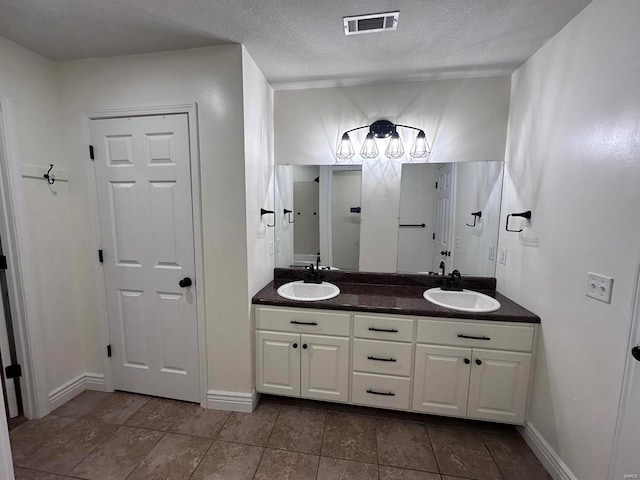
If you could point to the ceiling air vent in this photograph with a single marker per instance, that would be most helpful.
(376, 22)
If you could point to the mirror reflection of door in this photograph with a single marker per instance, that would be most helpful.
(444, 217)
(306, 206)
(345, 218)
(416, 245)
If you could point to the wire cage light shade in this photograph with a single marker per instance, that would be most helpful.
(384, 129)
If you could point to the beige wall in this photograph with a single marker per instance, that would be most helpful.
(212, 77)
(55, 305)
(572, 158)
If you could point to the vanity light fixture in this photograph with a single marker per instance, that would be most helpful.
(384, 129)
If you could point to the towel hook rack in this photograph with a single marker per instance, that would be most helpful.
(526, 215)
(476, 216)
(271, 212)
(288, 213)
(49, 177)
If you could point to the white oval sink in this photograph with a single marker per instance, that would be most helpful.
(464, 301)
(308, 292)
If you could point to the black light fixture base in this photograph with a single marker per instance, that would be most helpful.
(382, 128)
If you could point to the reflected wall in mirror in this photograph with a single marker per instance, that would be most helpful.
(388, 217)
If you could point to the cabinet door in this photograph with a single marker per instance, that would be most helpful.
(441, 382)
(278, 363)
(325, 368)
(498, 385)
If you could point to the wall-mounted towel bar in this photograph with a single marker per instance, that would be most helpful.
(526, 215)
(476, 216)
(412, 225)
(264, 212)
(288, 213)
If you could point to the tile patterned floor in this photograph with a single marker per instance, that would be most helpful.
(122, 436)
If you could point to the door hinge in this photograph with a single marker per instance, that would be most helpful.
(434, 236)
(13, 371)
(109, 351)
(3, 262)
(100, 256)
(91, 154)
(436, 182)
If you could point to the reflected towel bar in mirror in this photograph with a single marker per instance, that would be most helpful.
(526, 215)
(476, 216)
(412, 225)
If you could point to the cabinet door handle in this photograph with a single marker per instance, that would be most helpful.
(296, 322)
(388, 330)
(467, 361)
(295, 345)
(386, 394)
(382, 359)
(478, 361)
(304, 345)
(461, 335)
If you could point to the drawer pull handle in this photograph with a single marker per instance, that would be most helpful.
(296, 322)
(388, 330)
(460, 335)
(382, 359)
(386, 394)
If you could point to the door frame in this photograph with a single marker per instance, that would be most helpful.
(20, 278)
(625, 402)
(191, 110)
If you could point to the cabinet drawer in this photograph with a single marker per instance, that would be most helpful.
(382, 357)
(383, 328)
(303, 321)
(380, 390)
(451, 332)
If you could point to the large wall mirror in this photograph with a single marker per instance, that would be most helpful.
(391, 217)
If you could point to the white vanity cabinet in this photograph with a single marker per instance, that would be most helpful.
(442, 366)
(471, 369)
(303, 353)
(382, 360)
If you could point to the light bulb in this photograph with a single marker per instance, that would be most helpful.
(395, 149)
(369, 148)
(345, 148)
(420, 148)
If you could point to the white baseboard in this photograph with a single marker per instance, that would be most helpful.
(547, 455)
(74, 387)
(232, 401)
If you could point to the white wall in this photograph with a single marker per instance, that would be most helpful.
(212, 77)
(478, 188)
(260, 191)
(28, 83)
(572, 158)
(464, 120)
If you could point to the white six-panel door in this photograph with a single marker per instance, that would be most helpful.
(143, 178)
(445, 196)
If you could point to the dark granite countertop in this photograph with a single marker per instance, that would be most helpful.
(399, 294)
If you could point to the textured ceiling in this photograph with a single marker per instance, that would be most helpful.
(300, 42)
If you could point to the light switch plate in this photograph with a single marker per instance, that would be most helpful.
(502, 257)
(599, 287)
(271, 248)
(492, 252)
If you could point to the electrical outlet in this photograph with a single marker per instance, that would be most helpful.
(502, 257)
(492, 253)
(599, 287)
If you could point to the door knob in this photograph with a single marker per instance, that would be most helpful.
(635, 351)
(185, 282)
